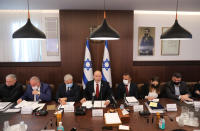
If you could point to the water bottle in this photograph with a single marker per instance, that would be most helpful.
(162, 123)
(60, 127)
(6, 125)
(22, 126)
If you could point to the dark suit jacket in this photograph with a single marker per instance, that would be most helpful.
(74, 93)
(104, 94)
(121, 90)
(170, 89)
(12, 93)
(196, 87)
(45, 93)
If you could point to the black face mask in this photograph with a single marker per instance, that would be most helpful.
(176, 83)
(152, 85)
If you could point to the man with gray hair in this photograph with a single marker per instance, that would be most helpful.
(36, 91)
(11, 90)
(68, 91)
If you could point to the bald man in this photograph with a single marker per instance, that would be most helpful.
(99, 87)
(36, 91)
(11, 91)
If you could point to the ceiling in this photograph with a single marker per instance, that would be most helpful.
(161, 5)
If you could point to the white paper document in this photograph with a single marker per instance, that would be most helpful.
(87, 104)
(4, 105)
(131, 99)
(138, 108)
(97, 104)
(12, 111)
(123, 127)
(112, 118)
(189, 102)
(30, 104)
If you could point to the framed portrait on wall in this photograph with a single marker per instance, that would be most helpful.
(169, 47)
(146, 38)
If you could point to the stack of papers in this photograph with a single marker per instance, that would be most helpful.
(151, 110)
(5, 105)
(131, 101)
(97, 104)
(171, 107)
(189, 102)
(112, 119)
(30, 104)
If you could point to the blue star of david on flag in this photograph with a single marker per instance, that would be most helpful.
(87, 64)
(106, 64)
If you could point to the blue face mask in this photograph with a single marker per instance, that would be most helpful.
(69, 85)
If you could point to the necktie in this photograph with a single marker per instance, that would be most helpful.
(37, 96)
(97, 90)
(127, 93)
(68, 92)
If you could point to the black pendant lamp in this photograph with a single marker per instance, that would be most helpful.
(28, 30)
(176, 32)
(104, 31)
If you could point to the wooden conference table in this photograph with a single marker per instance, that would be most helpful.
(89, 123)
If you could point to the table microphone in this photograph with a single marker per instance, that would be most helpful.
(93, 95)
(115, 102)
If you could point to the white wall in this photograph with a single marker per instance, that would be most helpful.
(189, 49)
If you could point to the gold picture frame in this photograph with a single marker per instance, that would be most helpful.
(169, 47)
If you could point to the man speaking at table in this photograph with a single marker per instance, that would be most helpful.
(100, 88)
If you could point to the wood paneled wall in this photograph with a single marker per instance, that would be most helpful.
(74, 30)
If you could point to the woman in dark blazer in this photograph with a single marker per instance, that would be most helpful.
(151, 90)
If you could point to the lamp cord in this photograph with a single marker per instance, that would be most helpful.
(104, 10)
(28, 9)
(176, 10)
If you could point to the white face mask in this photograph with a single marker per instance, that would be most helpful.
(34, 87)
(125, 82)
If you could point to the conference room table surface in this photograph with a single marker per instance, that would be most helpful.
(89, 123)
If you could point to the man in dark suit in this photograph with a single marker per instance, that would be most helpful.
(127, 88)
(196, 91)
(100, 88)
(11, 91)
(177, 89)
(68, 91)
(36, 91)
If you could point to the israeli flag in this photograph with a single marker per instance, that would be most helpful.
(87, 67)
(106, 69)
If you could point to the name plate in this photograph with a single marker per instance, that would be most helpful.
(26, 110)
(97, 112)
(138, 108)
(68, 108)
(171, 107)
(197, 104)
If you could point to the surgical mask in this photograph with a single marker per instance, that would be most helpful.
(35, 87)
(154, 86)
(69, 85)
(176, 83)
(125, 82)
